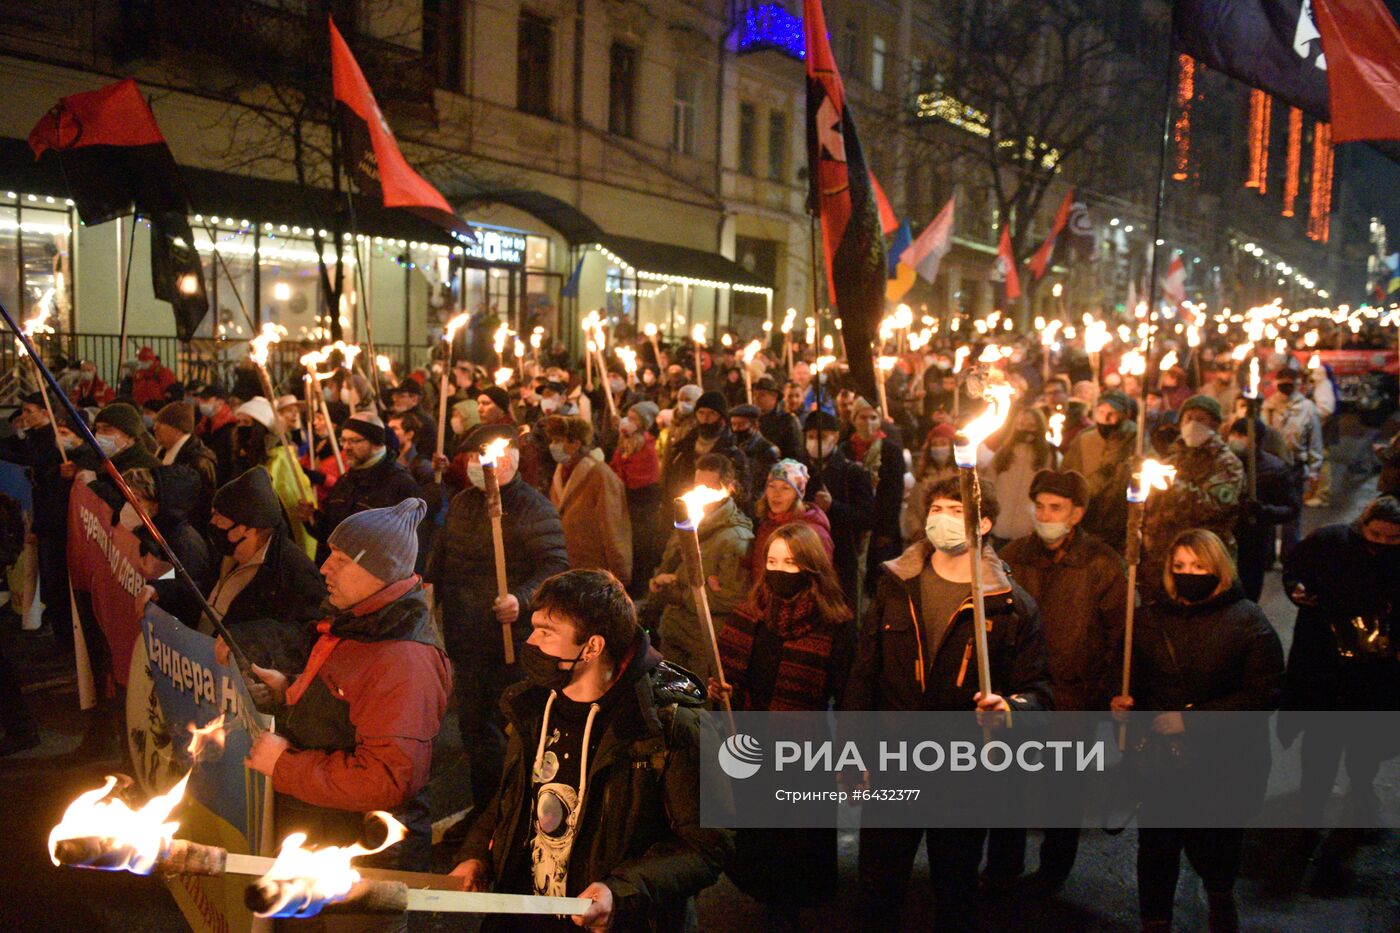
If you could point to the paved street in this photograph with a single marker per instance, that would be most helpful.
(1276, 893)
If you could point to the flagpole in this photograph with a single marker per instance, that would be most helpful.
(124, 286)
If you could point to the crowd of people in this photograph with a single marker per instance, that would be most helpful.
(353, 563)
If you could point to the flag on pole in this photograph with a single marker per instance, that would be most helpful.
(370, 152)
(1362, 45)
(1174, 285)
(899, 278)
(1081, 231)
(888, 221)
(114, 160)
(1004, 270)
(1041, 260)
(841, 194)
(570, 289)
(926, 253)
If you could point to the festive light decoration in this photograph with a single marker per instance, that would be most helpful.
(1320, 210)
(1260, 109)
(1181, 131)
(936, 105)
(1295, 148)
(770, 26)
(679, 279)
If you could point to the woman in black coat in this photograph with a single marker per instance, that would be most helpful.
(1205, 647)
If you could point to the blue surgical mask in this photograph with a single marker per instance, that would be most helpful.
(107, 445)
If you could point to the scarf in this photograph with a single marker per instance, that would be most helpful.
(869, 452)
(806, 650)
(327, 642)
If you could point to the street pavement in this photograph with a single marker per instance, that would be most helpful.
(1279, 891)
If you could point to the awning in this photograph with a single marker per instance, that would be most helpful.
(680, 265)
(573, 224)
(223, 194)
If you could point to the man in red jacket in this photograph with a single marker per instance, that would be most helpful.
(357, 725)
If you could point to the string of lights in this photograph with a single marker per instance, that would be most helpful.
(1295, 146)
(1260, 108)
(1181, 131)
(1320, 209)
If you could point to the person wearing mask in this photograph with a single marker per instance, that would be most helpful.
(89, 391)
(1222, 385)
(933, 465)
(254, 566)
(1340, 575)
(215, 426)
(289, 413)
(682, 422)
(166, 493)
(177, 445)
(591, 500)
(1104, 457)
(1023, 453)
(462, 571)
(355, 725)
(759, 453)
(726, 537)
(255, 445)
(1080, 585)
(914, 652)
(1294, 415)
(120, 434)
(710, 435)
(782, 503)
(776, 424)
(874, 447)
(842, 490)
(594, 689)
(1203, 647)
(1274, 502)
(151, 378)
(635, 463)
(787, 647)
(1205, 492)
(356, 393)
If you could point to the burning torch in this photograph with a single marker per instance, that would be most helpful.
(273, 333)
(695, 502)
(883, 366)
(315, 398)
(1251, 397)
(1152, 474)
(748, 355)
(449, 336)
(493, 452)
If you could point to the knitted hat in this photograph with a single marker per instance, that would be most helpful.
(943, 431)
(1070, 484)
(1118, 401)
(146, 354)
(744, 411)
(249, 499)
(409, 386)
(714, 401)
(382, 541)
(860, 404)
(260, 410)
(1203, 403)
(820, 420)
(178, 415)
(792, 473)
(33, 398)
(648, 412)
(498, 396)
(367, 425)
(123, 417)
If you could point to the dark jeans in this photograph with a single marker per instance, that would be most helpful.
(887, 858)
(1291, 532)
(1006, 852)
(14, 714)
(53, 590)
(1322, 755)
(1213, 853)
(480, 676)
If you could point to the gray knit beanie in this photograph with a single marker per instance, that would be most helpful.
(382, 541)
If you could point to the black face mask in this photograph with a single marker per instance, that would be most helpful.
(1026, 437)
(1106, 430)
(786, 585)
(220, 541)
(543, 670)
(742, 436)
(1285, 388)
(710, 431)
(1194, 587)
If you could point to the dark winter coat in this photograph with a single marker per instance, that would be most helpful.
(200, 458)
(1343, 577)
(1082, 592)
(891, 641)
(462, 567)
(1205, 493)
(639, 827)
(177, 490)
(886, 542)
(50, 501)
(385, 484)
(678, 474)
(782, 429)
(760, 454)
(852, 512)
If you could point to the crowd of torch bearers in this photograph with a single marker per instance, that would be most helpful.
(101, 831)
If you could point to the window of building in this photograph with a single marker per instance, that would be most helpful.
(748, 142)
(777, 145)
(877, 62)
(622, 86)
(683, 124)
(442, 42)
(534, 60)
(850, 47)
(916, 75)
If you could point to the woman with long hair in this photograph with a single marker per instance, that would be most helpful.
(1024, 452)
(1204, 647)
(788, 647)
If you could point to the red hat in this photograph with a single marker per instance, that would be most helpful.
(145, 354)
(943, 431)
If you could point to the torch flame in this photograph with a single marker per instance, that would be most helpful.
(751, 351)
(697, 333)
(1057, 427)
(1133, 363)
(39, 323)
(133, 839)
(271, 333)
(1168, 360)
(449, 330)
(822, 363)
(499, 341)
(990, 354)
(313, 358)
(314, 877)
(1315, 362)
(503, 376)
(1193, 336)
(959, 357)
(1095, 336)
(383, 363)
(494, 451)
(649, 330)
(628, 357)
(1252, 390)
(998, 397)
(1154, 475)
(696, 500)
(348, 352)
(1047, 333)
(886, 363)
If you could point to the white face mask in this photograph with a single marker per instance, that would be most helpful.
(129, 519)
(1051, 532)
(208, 408)
(685, 408)
(1195, 433)
(549, 405)
(476, 475)
(946, 532)
(821, 452)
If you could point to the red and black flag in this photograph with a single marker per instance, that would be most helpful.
(1041, 260)
(1005, 278)
(114, 160)
(371, 154)
(841, 195)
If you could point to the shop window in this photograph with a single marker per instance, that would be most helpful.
(622, 81)
(534, 64)
(34, 261)
(537, 252)
(748, 143)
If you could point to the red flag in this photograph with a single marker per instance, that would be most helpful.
(116, 115)
(889, 223)
(1174, 285)
(1362, 45)
(1041, 260)
(1005, 270)
(372, 154)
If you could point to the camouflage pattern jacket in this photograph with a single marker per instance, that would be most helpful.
(1206, 494)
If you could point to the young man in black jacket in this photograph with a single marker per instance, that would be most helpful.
(1275, 502)
(601, 793)
(843, 491)
(915, 652)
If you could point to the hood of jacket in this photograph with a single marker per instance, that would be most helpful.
(910, 564)
(724, 516)
(177, 491)
(404, 619)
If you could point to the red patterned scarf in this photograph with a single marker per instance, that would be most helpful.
(806, 651)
